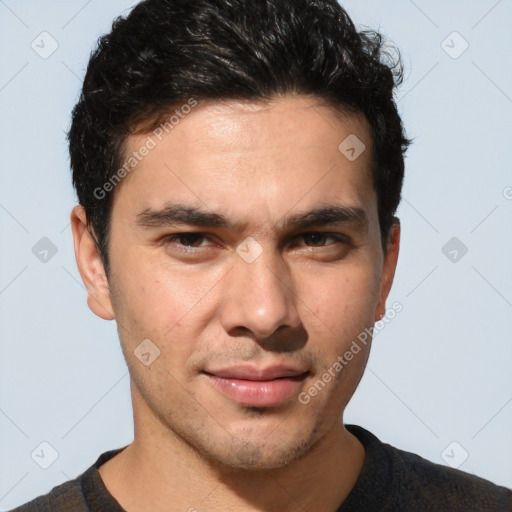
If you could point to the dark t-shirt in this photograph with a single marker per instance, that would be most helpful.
(390, 480)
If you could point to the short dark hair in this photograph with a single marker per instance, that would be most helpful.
(168, 51)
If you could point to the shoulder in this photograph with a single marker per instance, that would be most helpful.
(70, 496)
(398, 480)
(66, 496)
(421, 480)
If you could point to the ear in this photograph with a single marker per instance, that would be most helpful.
(90, 266)
(388, 268)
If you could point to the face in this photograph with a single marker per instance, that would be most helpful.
(246, 247)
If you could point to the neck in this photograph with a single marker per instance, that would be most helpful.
(159, 471)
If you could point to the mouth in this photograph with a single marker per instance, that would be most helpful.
(257, 388)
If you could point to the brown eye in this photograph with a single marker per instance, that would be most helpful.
(189, 239)
(186, 242)
(318, 239)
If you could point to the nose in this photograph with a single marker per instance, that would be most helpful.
(259, 297)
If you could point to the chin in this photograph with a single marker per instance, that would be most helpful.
(261, 454)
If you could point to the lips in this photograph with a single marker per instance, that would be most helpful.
(257, 387)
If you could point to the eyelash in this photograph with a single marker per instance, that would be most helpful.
(186, 249)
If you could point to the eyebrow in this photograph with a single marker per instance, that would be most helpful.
(325, 215)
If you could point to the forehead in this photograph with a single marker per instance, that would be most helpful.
(237, 156)
(234, 126)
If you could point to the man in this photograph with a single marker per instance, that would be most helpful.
(238, 166)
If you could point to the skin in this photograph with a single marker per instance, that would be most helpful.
(302, 301)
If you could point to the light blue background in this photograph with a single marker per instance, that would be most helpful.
(439, 372)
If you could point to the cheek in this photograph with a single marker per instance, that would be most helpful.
(159, 301)
(341, 302)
